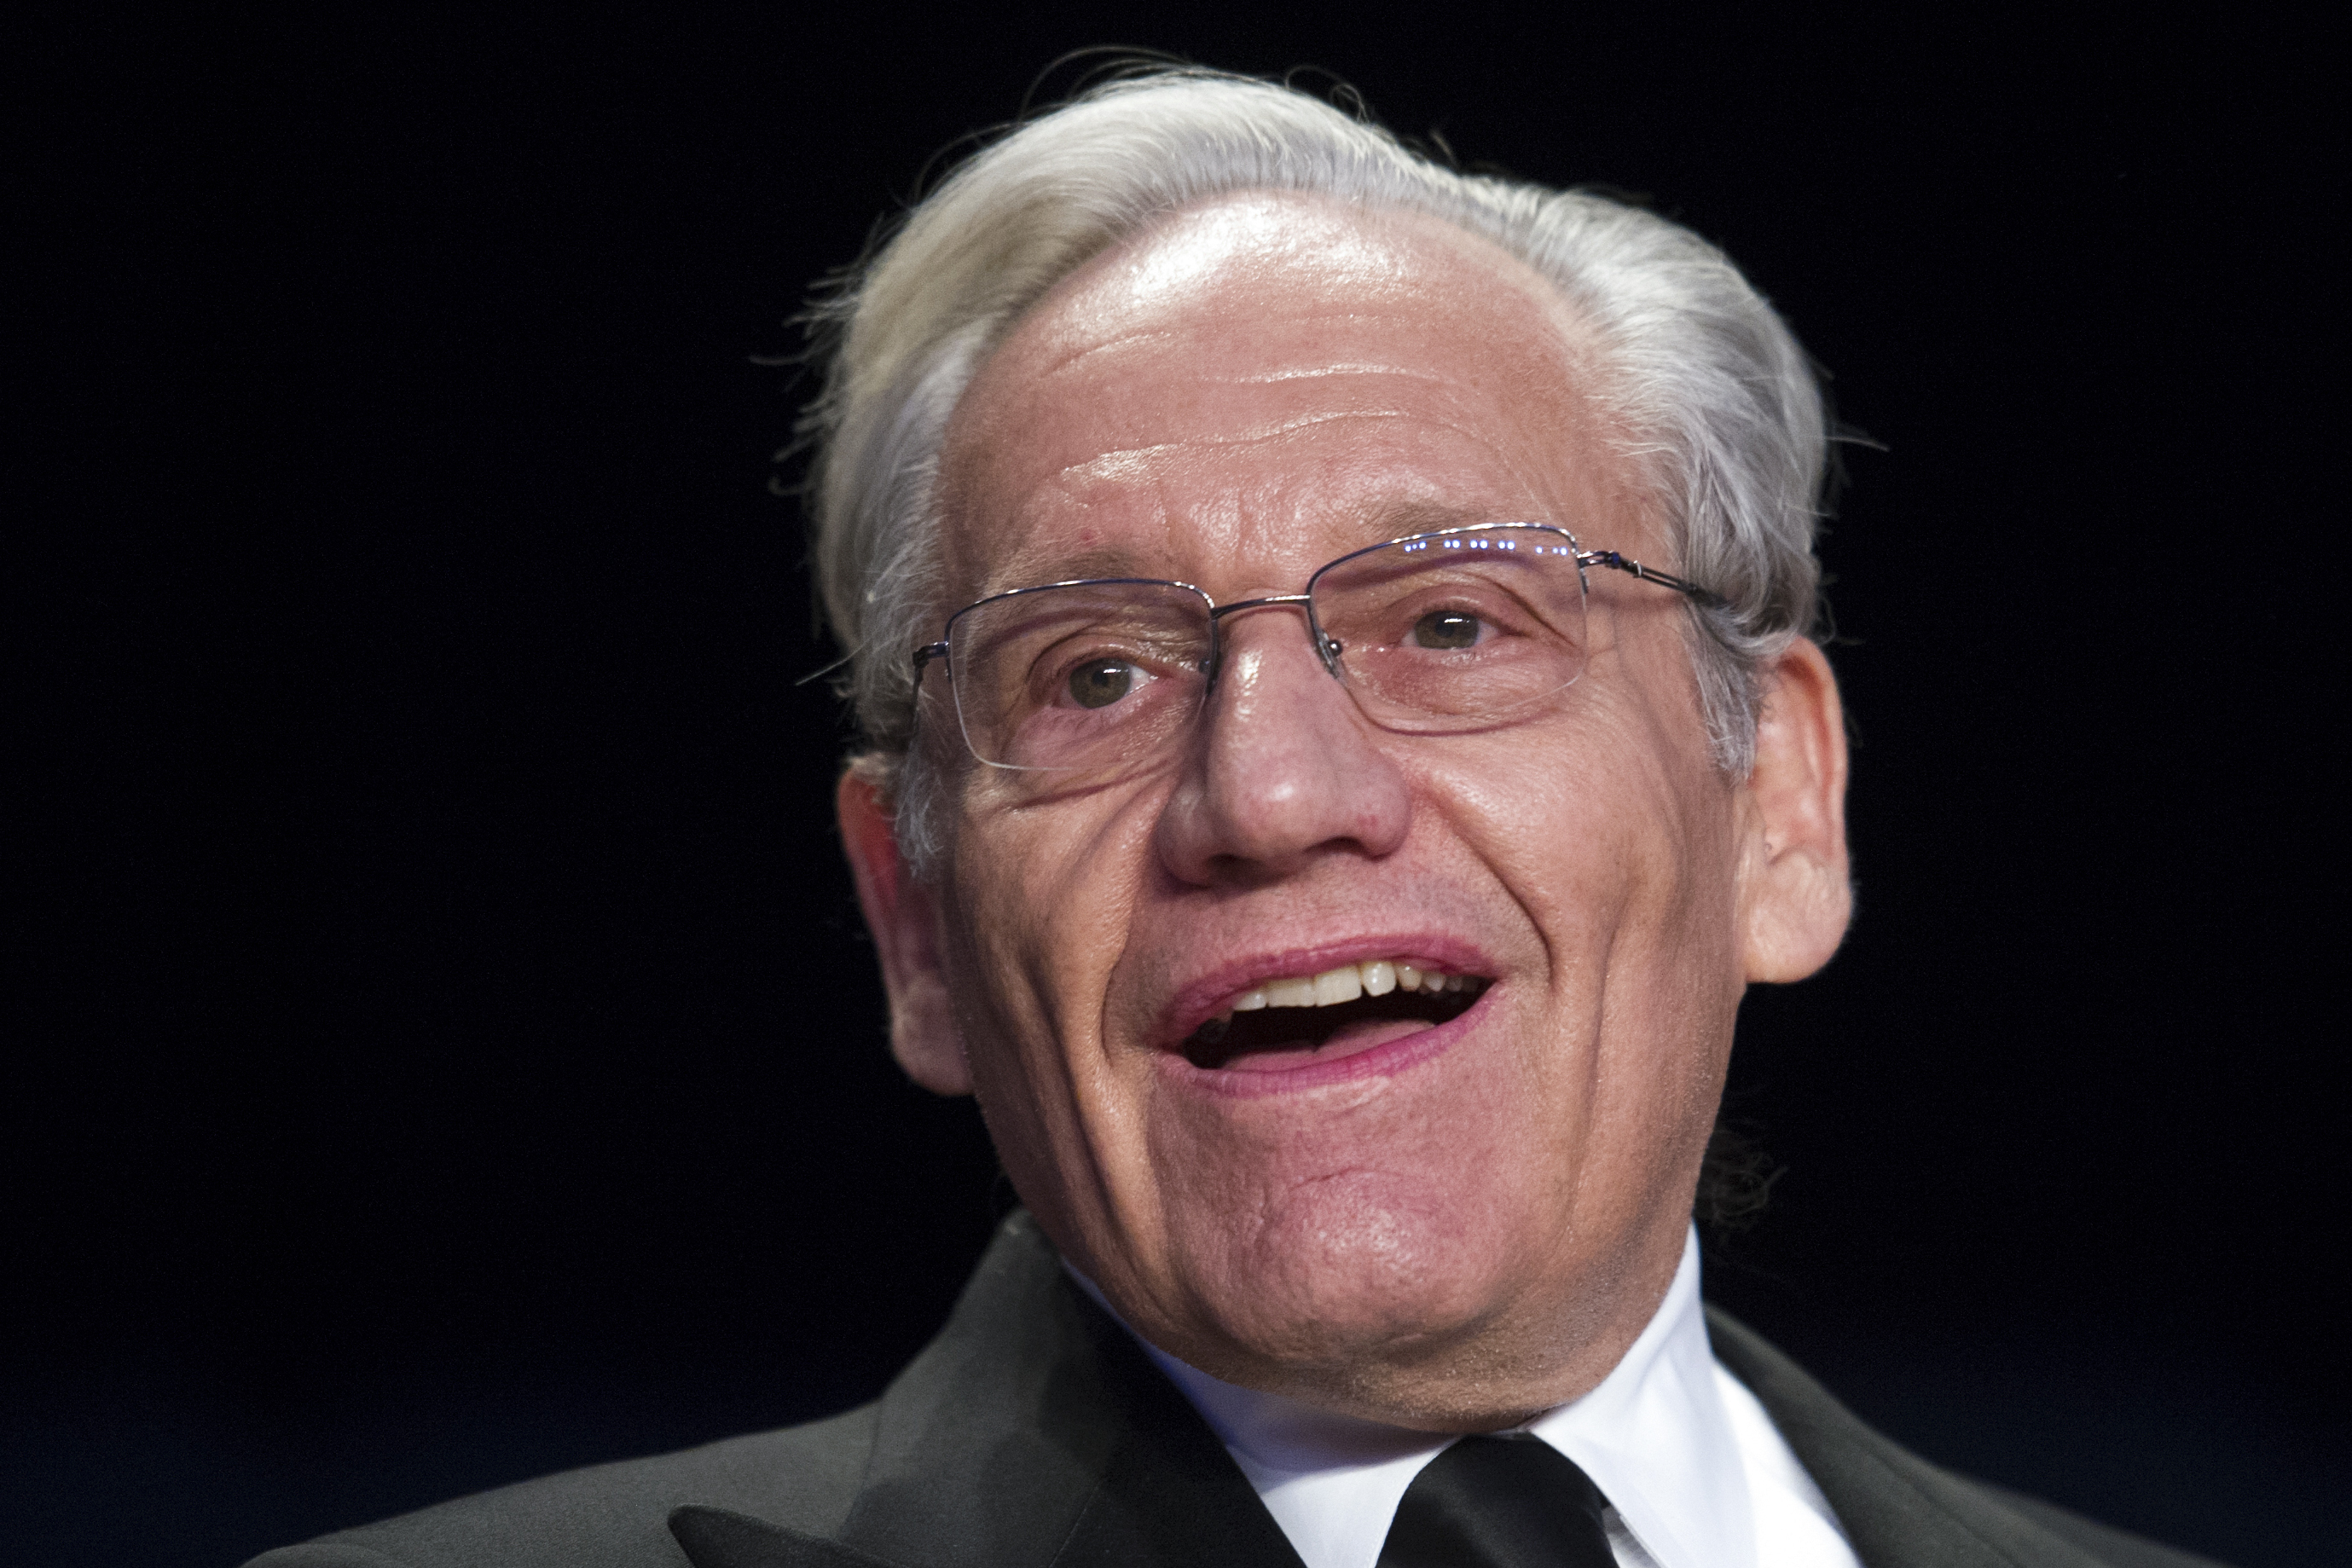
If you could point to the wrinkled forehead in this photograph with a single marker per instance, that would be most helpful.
(1260, 382)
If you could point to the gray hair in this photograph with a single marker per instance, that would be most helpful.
(1724, 416)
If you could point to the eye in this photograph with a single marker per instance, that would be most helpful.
(1098, 683)
(1446, 629)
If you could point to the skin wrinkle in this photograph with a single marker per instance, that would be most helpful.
(1121, 463)
(1100, 1120)
(1321, 372)
(1125, 463)
(1078, 356)
(1043, 562)
(1103, 1035)
(1452, 1243)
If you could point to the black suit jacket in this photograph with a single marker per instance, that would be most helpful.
(1034, 1433)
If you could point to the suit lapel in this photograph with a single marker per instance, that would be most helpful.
(1898, 1510)
(1169, 1496)
(721, 1538)
(1032, 1433)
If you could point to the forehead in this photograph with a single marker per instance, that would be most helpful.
(1261, 383)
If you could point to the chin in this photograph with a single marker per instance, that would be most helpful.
(1343, 1282)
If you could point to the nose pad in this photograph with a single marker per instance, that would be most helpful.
(1330, 648)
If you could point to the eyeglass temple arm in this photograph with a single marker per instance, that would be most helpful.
(926, 652)
(1706, 596)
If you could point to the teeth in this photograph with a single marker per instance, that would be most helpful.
(1373, 977)
(1333, 986)
(1290, 994)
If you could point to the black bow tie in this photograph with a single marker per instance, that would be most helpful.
(1499, 1502)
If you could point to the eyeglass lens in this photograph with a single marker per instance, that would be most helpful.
(1439, 633)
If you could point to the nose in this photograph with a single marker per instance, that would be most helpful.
(1284, 767)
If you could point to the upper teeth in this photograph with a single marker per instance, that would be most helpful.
(1375, 977)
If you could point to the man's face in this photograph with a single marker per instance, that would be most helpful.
(1426, 1217)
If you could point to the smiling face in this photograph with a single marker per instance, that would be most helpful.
(1371, 1067)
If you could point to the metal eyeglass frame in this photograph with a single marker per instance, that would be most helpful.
(1327, 647)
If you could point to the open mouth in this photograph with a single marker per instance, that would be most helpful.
(1307, 1018)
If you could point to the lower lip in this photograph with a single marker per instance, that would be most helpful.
(1294, 1071)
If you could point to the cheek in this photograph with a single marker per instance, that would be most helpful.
(1040, 903)
(1618, 849)
(1557, 817)
(1617, 806)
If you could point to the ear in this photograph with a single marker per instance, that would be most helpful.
(904, 919)
(1795, 896)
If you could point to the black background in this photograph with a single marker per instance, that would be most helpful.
(448, 1051)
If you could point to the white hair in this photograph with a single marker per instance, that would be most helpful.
(1723, 414)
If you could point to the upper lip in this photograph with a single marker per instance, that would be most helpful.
(1215, 990)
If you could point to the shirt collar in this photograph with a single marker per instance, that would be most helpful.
(1653, 1435)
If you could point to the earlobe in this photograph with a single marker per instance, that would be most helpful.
(903, 920)
(1795, 896)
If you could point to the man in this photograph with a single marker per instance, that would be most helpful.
(1331, 637)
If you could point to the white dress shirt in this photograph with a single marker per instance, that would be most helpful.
(1696, 1474)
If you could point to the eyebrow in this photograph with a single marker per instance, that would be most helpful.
(1395, 519)
(1380, 522)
